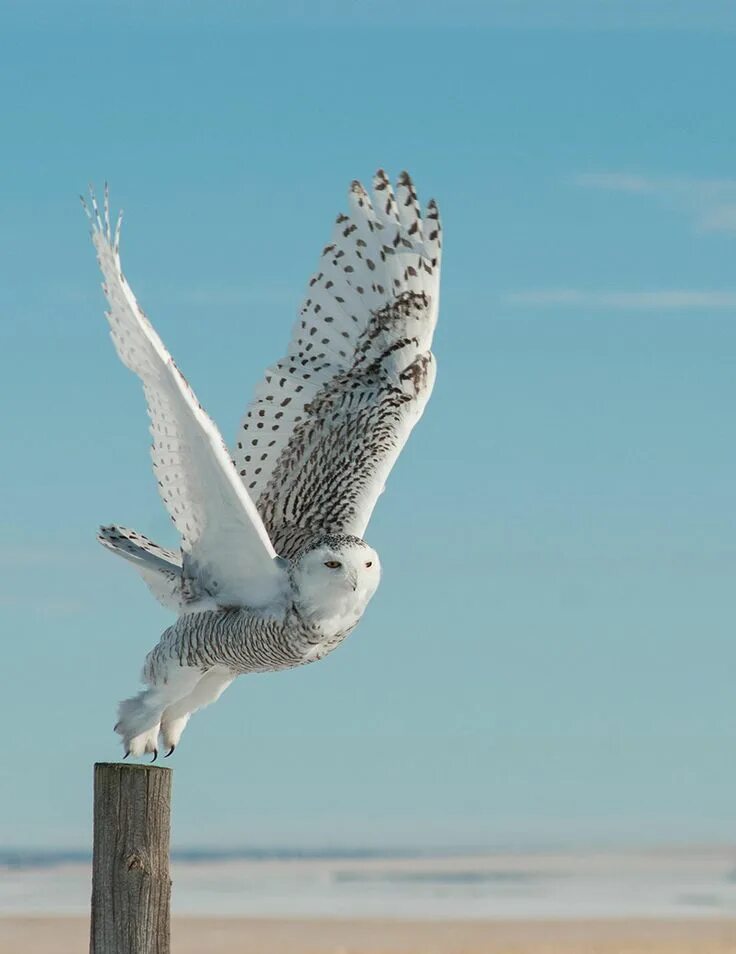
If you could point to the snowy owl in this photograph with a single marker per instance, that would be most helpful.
(273, 571)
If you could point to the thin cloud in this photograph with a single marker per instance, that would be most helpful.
(710, 203)
(614, 181)
(224, 296)
(660, 300)
(214, 296)
(43, 606)
(32, 554)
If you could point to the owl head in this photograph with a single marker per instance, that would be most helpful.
(335, 576)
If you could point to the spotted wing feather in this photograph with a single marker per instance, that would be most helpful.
(330, 418)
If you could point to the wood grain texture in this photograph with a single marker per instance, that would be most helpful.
(131, 887)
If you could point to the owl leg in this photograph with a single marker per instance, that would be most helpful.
(139, 718)
(175, 717)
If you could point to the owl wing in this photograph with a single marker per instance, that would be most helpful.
(226, 548)
(329, 419)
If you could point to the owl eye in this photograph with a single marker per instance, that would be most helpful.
(369, 564)
(332, 564)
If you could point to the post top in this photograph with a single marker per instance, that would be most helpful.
(131, 767)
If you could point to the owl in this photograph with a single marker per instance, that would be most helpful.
(272, 570)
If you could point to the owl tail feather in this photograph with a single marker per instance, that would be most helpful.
(161, 569)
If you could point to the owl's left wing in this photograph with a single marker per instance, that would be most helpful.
(226, 548)
(330, 418)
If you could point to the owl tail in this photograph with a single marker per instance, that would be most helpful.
(161, 569)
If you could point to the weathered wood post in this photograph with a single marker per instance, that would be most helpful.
(131, 888)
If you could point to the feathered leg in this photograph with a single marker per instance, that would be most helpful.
(175, 717)
(139, 718)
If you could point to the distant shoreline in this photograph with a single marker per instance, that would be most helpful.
(51, 857)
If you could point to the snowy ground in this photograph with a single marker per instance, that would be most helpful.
(664, 884)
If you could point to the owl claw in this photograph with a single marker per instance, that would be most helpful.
(170, 752)
(155, 755)
(126, 754)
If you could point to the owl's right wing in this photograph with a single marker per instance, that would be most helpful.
(330, 418)
(227, 550)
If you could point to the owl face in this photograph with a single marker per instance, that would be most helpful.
(337, 577)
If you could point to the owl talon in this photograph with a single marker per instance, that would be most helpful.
(170, 752)
(155, 755)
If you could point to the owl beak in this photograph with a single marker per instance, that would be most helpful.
(353, 581)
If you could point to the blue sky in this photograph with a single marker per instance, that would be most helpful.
(550, 656)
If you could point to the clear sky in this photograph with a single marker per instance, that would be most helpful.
(551, 654)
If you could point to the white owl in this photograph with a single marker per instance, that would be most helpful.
(273, 571)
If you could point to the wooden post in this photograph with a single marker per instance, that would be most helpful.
(131, 888)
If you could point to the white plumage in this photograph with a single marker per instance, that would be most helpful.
(273, 572)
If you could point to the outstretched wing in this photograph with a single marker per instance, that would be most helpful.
(227, 550)
(329, 420)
